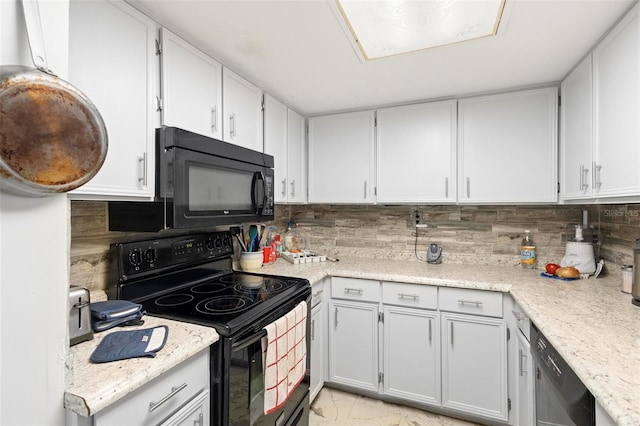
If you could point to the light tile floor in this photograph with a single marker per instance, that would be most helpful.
(335, 407)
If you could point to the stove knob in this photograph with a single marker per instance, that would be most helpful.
(150, 255)
(226, 241)
(135, 257)
(218, 242)
(209, 244)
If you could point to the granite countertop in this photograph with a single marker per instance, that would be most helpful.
(591, 323)
(92, 387)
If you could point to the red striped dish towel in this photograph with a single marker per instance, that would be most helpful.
(284, 356)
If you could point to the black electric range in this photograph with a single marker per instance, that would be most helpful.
(190, 278)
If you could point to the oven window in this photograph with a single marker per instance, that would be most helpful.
(219, 189)
(246, 391)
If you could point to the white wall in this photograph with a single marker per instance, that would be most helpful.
(34, 260)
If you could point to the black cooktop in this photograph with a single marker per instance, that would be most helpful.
(189, 278)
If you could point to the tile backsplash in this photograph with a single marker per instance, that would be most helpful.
(468, 234)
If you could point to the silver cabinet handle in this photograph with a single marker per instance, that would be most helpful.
(200, 421)
(365, 189)
(521, 362)
(214, 119)
(597, 183)
(293, 188)
(519, 316)
(318, 293)
(429, 330)
(468, 187)
(313, 330)
(335, 319)
(353, 290)
(469, 302)
(451, 331)
(174, 391)
(583, 178)
(408, 296)
(446, 187)
(232, 125)
(284, 187)
(143, 160)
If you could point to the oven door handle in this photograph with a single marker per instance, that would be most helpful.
(241, 344)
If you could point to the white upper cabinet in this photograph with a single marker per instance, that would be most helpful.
(297, 158)
(417, 153)
(121, 83)
(284, 139)
(341, 158)
(242, 112)
(275, 144)
(191, 87)
(616, 71)
(507, 148)
(600, 119)
(576, 133)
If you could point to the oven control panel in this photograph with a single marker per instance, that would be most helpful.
(139, 258)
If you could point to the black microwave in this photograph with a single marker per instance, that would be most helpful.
(200, 182)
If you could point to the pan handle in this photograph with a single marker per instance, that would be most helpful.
(31, 9)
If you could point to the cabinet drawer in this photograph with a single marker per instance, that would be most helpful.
(184, 381)
(414, 295)
(477, 302)
(355, 289)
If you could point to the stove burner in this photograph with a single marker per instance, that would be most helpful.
(223, 305)
(208, 288)
(173, 300)
(266, 285)
(230, 279)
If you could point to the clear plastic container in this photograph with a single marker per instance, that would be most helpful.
(627, 278)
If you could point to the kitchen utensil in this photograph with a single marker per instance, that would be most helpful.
(79, 315)
(253, 238)
(52, 137)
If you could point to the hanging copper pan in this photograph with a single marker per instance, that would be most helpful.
(52, 137)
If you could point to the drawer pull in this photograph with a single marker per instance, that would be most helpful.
(522, 360)
(318, 293)
(408, 296)
(353, 290)
(174, 391)
(469, 302)
(519, 316)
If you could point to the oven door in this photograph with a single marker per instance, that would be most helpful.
(207, 189)
(238, 384)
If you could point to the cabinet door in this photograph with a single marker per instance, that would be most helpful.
(297, 158)
(191, 87)
(576, 133)
(525, 406)
(412, 354)
(120, 82)
(353, 344)
(275, 144)
(507, 148)
(474, 365)
(417, 153)
(341, 158)
(317, 360)
(616, 62)
(242, 107)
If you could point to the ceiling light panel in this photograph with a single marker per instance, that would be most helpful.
(385, 28)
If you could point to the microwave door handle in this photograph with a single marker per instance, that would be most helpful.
(254, 204)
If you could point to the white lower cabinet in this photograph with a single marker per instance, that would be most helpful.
(353, 344)
(526, 409)
(474, 365)
(318, 339)
(412, 354)
(438, 347)
(178, 397)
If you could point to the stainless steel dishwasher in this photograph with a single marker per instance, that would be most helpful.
(560, 397)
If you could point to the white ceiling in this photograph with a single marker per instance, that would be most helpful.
(301, 53)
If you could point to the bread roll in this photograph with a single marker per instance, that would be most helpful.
(568, 272)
